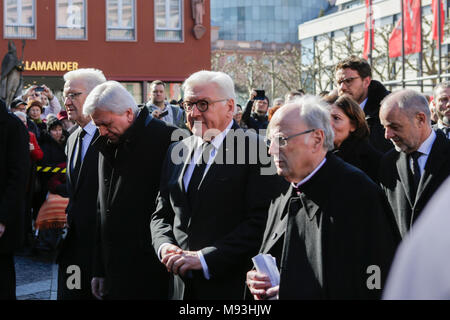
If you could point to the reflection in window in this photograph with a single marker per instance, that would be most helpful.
(120, 20)
(168, 20)
(70, 19)
(19, 18)
(135, 89)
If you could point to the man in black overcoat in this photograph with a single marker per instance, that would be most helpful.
(412, 172)
(212, 208)
(332, 233)
(76, 248)
(354, 77)
(132, 146)
(14, 164)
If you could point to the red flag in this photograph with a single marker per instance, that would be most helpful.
(395, 40)
(434, 8)
(369, 34)
(413, 31)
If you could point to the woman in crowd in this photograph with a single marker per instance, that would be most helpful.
(34, 111)
(351, 134)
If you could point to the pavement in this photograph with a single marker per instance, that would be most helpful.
(36, 277)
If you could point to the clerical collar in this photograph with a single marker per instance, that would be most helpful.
(310, 175)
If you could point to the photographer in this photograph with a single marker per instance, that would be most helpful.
(161, 109)
(43, 94)
(255, 114)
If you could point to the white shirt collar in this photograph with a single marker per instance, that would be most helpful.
(426, 146)
(311, 174)
(363, 104)
(217, 141)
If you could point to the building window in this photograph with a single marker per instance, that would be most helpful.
(121, 21)
(71, 19)
(168, 20)
(19, 19)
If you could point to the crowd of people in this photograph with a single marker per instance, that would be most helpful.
(172, 200)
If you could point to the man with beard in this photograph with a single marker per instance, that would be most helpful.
(354, 77)
(412, 172)
(441, 105)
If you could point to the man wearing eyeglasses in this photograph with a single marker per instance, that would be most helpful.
(82, 186)
(213, 202)
(333, 226)
(353, 76)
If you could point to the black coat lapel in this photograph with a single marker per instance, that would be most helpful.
(437, 157)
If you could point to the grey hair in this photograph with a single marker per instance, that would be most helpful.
(21, 115)
(442, 85)
(223, 82)
(316, 115)
(109, 96)
(409, 101)
(90, 76)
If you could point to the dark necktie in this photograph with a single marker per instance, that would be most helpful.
(446, 131)
(415, 170)
(198, 173)
(78, 156)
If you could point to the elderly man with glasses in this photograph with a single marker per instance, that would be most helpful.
(353, 76)
(213, 199)
(331, 233)
(82, 186)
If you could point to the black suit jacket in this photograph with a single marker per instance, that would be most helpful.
(344, 226)
(228, 219)
(77, 247)
(394, 179)
(129, 175)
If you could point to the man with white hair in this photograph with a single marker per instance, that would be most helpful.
(132, 146)
(212, 206)
(332, 233)
(412, 172)
(82, 186)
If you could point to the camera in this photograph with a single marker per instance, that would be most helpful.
(39, 89)
(260, 95)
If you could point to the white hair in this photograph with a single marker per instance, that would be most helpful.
(21, 115)
(109, 96)
(90, 76)
(223, 82)
(316, 115)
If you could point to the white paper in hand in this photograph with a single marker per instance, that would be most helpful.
(266, 264)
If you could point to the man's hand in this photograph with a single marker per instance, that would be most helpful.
(2, 229)
(98, 287)
(156, 113)
(253, 95)
(260, 286)
(47, 92)
(28, 93)
(178, 261)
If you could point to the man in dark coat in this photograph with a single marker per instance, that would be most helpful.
(332, 233)
(14, 164)
(255, 113)
(211, 211)
(412, 172)
(82, 187)
(354, 77)
(441, 106)
(132, 145)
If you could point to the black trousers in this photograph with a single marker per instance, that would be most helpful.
(7, 277)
